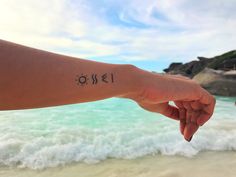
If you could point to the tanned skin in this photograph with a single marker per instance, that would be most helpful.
(32, 78)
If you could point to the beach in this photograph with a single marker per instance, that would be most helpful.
(76, 63)
(114, 137)
(205, 164)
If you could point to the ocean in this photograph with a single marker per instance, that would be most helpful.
(97, 132)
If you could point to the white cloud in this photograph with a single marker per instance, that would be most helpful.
(179, 29)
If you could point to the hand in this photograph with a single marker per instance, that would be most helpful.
(194, 105)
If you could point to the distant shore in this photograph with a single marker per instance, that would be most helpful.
(216, 74)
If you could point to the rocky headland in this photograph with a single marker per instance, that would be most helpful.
(216, 74)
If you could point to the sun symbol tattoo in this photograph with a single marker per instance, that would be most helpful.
(82, 79)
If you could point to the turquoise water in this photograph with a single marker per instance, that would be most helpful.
(112, 128)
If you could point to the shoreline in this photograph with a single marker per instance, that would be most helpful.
(210, 163)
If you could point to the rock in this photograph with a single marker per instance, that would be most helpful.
(172, 66)
(217, 82)
(230, 74)
(216, 74)
(189, 69)
(225, 62)
(202, 58)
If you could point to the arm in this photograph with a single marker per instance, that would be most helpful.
(31, 78)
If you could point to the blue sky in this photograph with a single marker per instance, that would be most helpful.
(149, 34)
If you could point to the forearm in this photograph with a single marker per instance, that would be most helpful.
(31, 78)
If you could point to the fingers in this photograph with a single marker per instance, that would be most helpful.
(191, 114)
(188, 124)
(182, 118)
(195, 105)
(198, 112)
(164, 109)
(185, 114)
(206, 113)
(202, 109)
(179, 104)
(191, 124)
(168, 110)
(188, 116)
(189, 131)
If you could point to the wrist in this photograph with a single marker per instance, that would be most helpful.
(139, 81)
(132, 80)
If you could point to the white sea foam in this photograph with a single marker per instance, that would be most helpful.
(42, 152)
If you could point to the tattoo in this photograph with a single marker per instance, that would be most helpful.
(104, 78)
(112, 79)
(94, 79)
(82, 79)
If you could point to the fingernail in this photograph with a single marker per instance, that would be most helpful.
(190, 138)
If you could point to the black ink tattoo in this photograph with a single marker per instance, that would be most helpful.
(82, 79)
(104, 78)
(112, 79)
(95, 79)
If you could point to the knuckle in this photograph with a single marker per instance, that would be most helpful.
(214, 100)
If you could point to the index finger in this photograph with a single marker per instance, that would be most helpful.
(189, 130)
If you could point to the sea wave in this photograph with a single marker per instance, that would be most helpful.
(113, 128)
(93, 146)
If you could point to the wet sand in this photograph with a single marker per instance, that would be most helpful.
(206, 164)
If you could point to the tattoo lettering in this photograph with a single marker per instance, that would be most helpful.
(94, 79)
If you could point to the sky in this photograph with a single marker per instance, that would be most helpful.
(149, 34)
